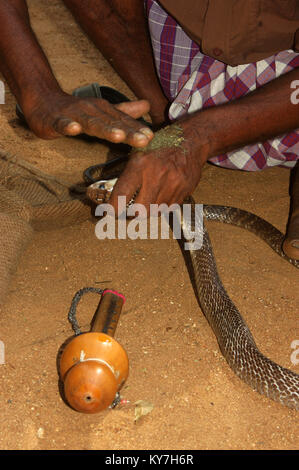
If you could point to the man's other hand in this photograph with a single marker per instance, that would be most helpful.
(63, 114)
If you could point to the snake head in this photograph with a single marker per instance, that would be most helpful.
(100, 191)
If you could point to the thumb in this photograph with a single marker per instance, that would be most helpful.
(135, 109)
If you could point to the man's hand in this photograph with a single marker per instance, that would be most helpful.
(63, 114)
(48, 110)
(165, 175)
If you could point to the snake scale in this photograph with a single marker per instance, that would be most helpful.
(233, 335)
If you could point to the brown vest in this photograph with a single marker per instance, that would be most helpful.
(238, 31)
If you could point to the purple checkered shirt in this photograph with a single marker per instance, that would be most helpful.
(193, 81)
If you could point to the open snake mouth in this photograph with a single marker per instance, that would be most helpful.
(100, 192)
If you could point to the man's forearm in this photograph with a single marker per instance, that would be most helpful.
(22, 60)
(119, 30)
(263, 114)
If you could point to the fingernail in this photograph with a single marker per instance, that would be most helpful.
(117, 134)
(74, 127)
(140, 136)
(73, 124)
(116, 131)
(147, 131)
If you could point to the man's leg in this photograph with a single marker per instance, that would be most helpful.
(291, 243)
(119, 30)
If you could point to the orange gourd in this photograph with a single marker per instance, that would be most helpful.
(94, 366)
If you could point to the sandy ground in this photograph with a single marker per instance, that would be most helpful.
(175, 362)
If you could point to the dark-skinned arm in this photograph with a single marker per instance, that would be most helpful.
(48, 110)
(119, 30)
(170, 174)
(261, 115)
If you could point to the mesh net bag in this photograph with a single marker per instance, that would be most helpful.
(31, 200)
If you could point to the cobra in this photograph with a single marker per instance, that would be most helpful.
(232, 333)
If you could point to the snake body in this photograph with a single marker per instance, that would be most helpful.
(233, 335)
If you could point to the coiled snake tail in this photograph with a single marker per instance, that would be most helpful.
(234, 338)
